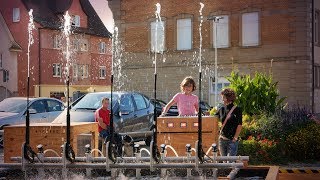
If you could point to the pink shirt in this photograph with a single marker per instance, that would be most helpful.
(186, 104)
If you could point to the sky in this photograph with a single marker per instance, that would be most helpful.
(104, 12)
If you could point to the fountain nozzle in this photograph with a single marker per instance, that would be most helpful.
(136, 148)
(88, 148)
(214, 147)
(188, 148)
(163, 148)
(40, 148)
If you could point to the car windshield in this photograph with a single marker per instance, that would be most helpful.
(93, 101)
(13, 105)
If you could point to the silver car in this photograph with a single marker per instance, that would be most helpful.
(13, 110)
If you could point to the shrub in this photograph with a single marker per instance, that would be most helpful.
(304, 144)
(257, 94)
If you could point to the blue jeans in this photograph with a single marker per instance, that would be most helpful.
(104, 133)
(228, 147)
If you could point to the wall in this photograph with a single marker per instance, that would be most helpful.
(284, 42)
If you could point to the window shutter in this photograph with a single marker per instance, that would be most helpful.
(16, 15)
(250, 29)
(184, 36)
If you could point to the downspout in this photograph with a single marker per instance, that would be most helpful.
(312, 56)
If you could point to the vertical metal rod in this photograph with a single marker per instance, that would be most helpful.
(200, 151)
(111, 111)
(28, 114)
(68, 113)
(155, 152)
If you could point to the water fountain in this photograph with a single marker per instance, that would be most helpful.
(154, 159)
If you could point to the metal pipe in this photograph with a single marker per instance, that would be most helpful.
(200, 153)
(124, 165)
(137, 134)
(142, 159)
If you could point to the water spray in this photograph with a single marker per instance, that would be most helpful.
(200, 153)
(111, 147)
(153, 146)
(68, 152)
(28, 153)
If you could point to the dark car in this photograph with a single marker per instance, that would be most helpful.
(160, 104)
(13, 110)
(132, 112)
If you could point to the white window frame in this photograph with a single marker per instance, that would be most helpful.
(102, 48)
(223, 40)
(75, 70)
(56, 42)
(76, 44)
(184, 34)
(160, 39)
(15, 14)
(76, 20)
(56, 69)
(221, 81)
(250, 29)
(83, 70)
(83, 43)
(101, 74)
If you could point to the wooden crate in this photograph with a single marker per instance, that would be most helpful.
(179, 131)
(51, 136)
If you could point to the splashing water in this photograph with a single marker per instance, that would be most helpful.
(160, 48)
(117, 61)
(200, 26)
(30, 39)
(66, 33)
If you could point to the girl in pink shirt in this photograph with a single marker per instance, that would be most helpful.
(188, 104)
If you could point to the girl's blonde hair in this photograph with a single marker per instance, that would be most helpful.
(187, 81)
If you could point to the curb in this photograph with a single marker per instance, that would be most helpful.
(300, 171)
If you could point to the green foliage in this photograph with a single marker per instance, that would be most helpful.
(304, 144)
(256, 94)
(263, 151)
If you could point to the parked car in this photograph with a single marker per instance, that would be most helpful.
(132, 112)
(160, 104)
(13, 110)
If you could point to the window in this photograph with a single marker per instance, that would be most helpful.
(102, 72)
(184, 34)
(76, 20)
(83, 70)
(222, 27)
(157, 36)
(16, 15)
(56, 70)
(317, 77)
(250, 29)
(76, 44)
(56, 42)
(316, 27)
(102, 47)
(84, 45)
(222, 83)
(54, 106)
(126, 104)
(39, 106)
(0, 60)
(140, 103)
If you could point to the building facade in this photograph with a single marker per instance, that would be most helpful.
(275, 37)
(90, 48)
